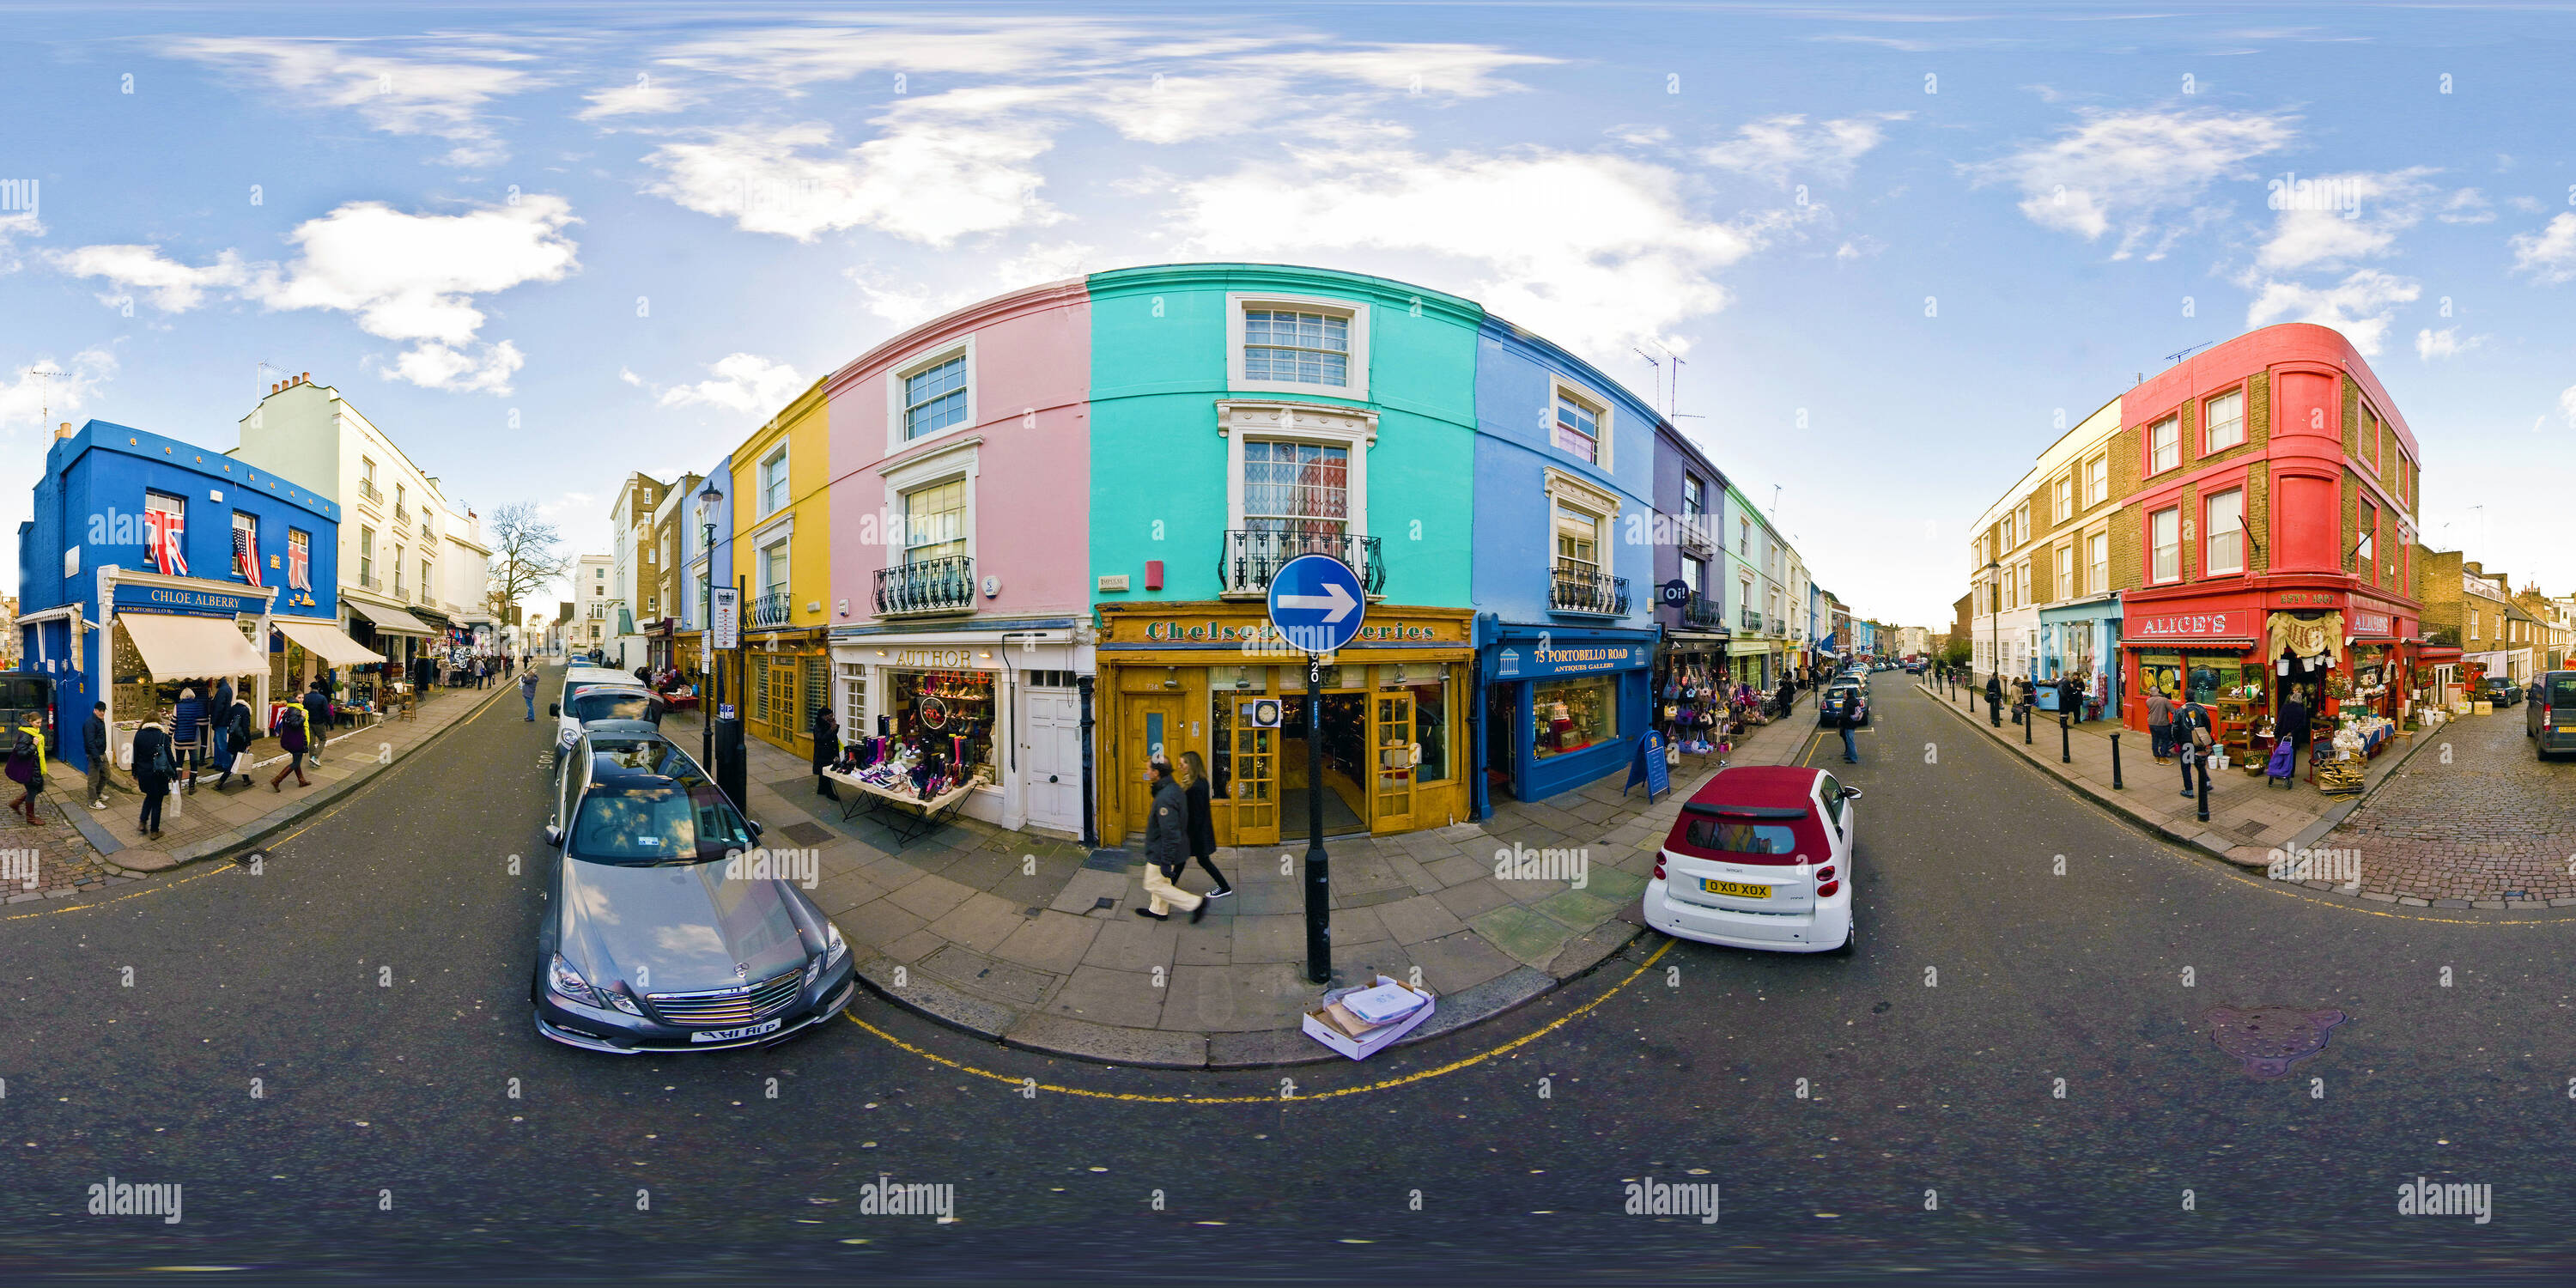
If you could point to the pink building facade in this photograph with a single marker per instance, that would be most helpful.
(960, 496)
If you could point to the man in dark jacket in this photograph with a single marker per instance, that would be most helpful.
(317, 723)
(827, 748)
(94, 746)
(1167, 847)
(234, 730)
(1848, 719)
(1995, 700)
(153, 765)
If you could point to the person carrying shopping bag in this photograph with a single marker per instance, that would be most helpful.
(1167, 848)
(27, 766)
(291, 735)
(1194, 780)
(153, 766)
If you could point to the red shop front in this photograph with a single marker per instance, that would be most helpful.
(2251, 649)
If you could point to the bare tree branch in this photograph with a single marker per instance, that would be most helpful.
(527, 555)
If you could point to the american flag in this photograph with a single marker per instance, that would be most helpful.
(299, 573)
(246, 555)
(162, 530)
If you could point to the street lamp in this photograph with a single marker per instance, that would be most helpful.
(708, 498)
(1995, 635)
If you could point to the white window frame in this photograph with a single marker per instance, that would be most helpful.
(913, 365)
(786, 475)
(1351, 428)
(2157, 545)
(2097, 480)
(2209, 443)
(2061, 498)
(1237, 303)
(2065, 573)
(959, 460)
(2021, 523)
(2210, 533)
(1604, 415)
(785, 546)
(1566, 489)
(2155, 455)
(2097, 557)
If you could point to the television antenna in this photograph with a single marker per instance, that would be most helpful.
(2177, 357)
(44, 395)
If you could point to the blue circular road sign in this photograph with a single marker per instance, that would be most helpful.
(1317, 603)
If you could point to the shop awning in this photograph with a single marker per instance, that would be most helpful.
(180, 648)
(391, 621)
(326, 641)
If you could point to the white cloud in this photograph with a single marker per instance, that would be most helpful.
(406, 277)
(2140, 174)
(943, 167)
(2339, 219)
(2567, 404)
(744, 382)
(646, 97)
(1598, 251)
(2445, 343)
(1047, 263)
(1783, 149)
(12, 228)
(441, 94)
(2549, 254)
(2467, 206)
(2362, 306)
(171, 286)
(33, 400)
(630, 377)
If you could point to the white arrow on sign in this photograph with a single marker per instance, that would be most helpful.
(1336, 601)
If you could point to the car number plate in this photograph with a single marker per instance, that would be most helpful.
(1735, 889)
(728, 1035)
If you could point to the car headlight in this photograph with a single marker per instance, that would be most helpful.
(622, 1002)
(834, 949)
(568, 983)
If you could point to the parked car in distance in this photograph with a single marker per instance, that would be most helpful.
(590, 694)
(1760, 857)
(2549, 717)
(2500, 690)
(655, 935)
(1829, 708)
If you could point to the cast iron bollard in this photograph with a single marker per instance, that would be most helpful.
(2115, 763)
(2064, 755)
(2024, 714)
(2200, 762)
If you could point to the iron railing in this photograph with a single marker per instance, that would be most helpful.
(1249, 559)
(1704, 611)
(1572, 590)
(945, 584)
(368, 491)
(771, 609)
(1751, 619)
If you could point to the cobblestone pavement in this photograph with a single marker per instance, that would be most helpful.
(64, 864)
(2489, 824)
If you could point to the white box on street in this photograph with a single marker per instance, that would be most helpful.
(1377, 1039)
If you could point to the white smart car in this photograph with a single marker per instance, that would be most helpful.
(1761, 857)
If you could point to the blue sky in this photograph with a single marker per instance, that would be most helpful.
(543, 246)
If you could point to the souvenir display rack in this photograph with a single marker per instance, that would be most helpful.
(1692, 709)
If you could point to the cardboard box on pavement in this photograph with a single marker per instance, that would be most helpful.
(1322, 1027)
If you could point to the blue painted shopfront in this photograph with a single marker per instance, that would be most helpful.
(1562, 706)
(2080, 639)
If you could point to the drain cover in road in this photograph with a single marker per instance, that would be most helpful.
(2269, 1039)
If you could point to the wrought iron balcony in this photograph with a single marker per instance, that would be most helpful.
(1704, 612)
(1249, 559)
(368, 491)
(1572, 590)
(1751, 618)
(942, 585)
(771, 609)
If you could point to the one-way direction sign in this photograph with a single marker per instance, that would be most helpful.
(1317, 603)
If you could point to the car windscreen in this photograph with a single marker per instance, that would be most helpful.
(599, 704)
(665, 823)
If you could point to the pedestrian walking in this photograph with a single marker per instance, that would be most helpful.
(1167, 848)
(1847, 720)
(2295, 725)
(238, 731)
(2191, 734)
(153, 765)
(317, 725)
(1193, 778)
(219, 713)
(94, 746)
(187, 736)
(528, 693)
(293, 734)
(1787, 695)
(2160, 724)
(1995, 701)
(27, 765)
(827, 748)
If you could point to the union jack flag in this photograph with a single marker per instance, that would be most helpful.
(246, 555)
(162, 530)
(299, 572)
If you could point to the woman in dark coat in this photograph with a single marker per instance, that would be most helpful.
(1194, 780)
(827, 748)
(152, 766)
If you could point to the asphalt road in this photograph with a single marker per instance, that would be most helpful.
(385, 1139)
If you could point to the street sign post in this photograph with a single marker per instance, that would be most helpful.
(1317, 604)
(724, 611)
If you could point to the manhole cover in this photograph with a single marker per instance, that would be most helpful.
(806, 833)
(2269, 1039)
(2251, 827)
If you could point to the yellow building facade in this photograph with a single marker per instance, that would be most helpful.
(782, 560)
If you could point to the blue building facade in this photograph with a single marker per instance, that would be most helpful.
(99, 615)
(1564, 567)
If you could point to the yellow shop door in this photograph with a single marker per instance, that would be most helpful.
(1391, 769)
(1153, 724)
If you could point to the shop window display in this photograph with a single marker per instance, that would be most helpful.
(941, 739)
(1574, 714)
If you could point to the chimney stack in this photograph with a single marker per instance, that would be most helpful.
(304, 378)
(65, 431)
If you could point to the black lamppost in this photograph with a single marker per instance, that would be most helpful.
(708, 497)
(1995, 634)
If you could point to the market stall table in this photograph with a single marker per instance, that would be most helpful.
(908, 815)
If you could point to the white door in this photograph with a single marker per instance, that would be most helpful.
(1051, 752)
